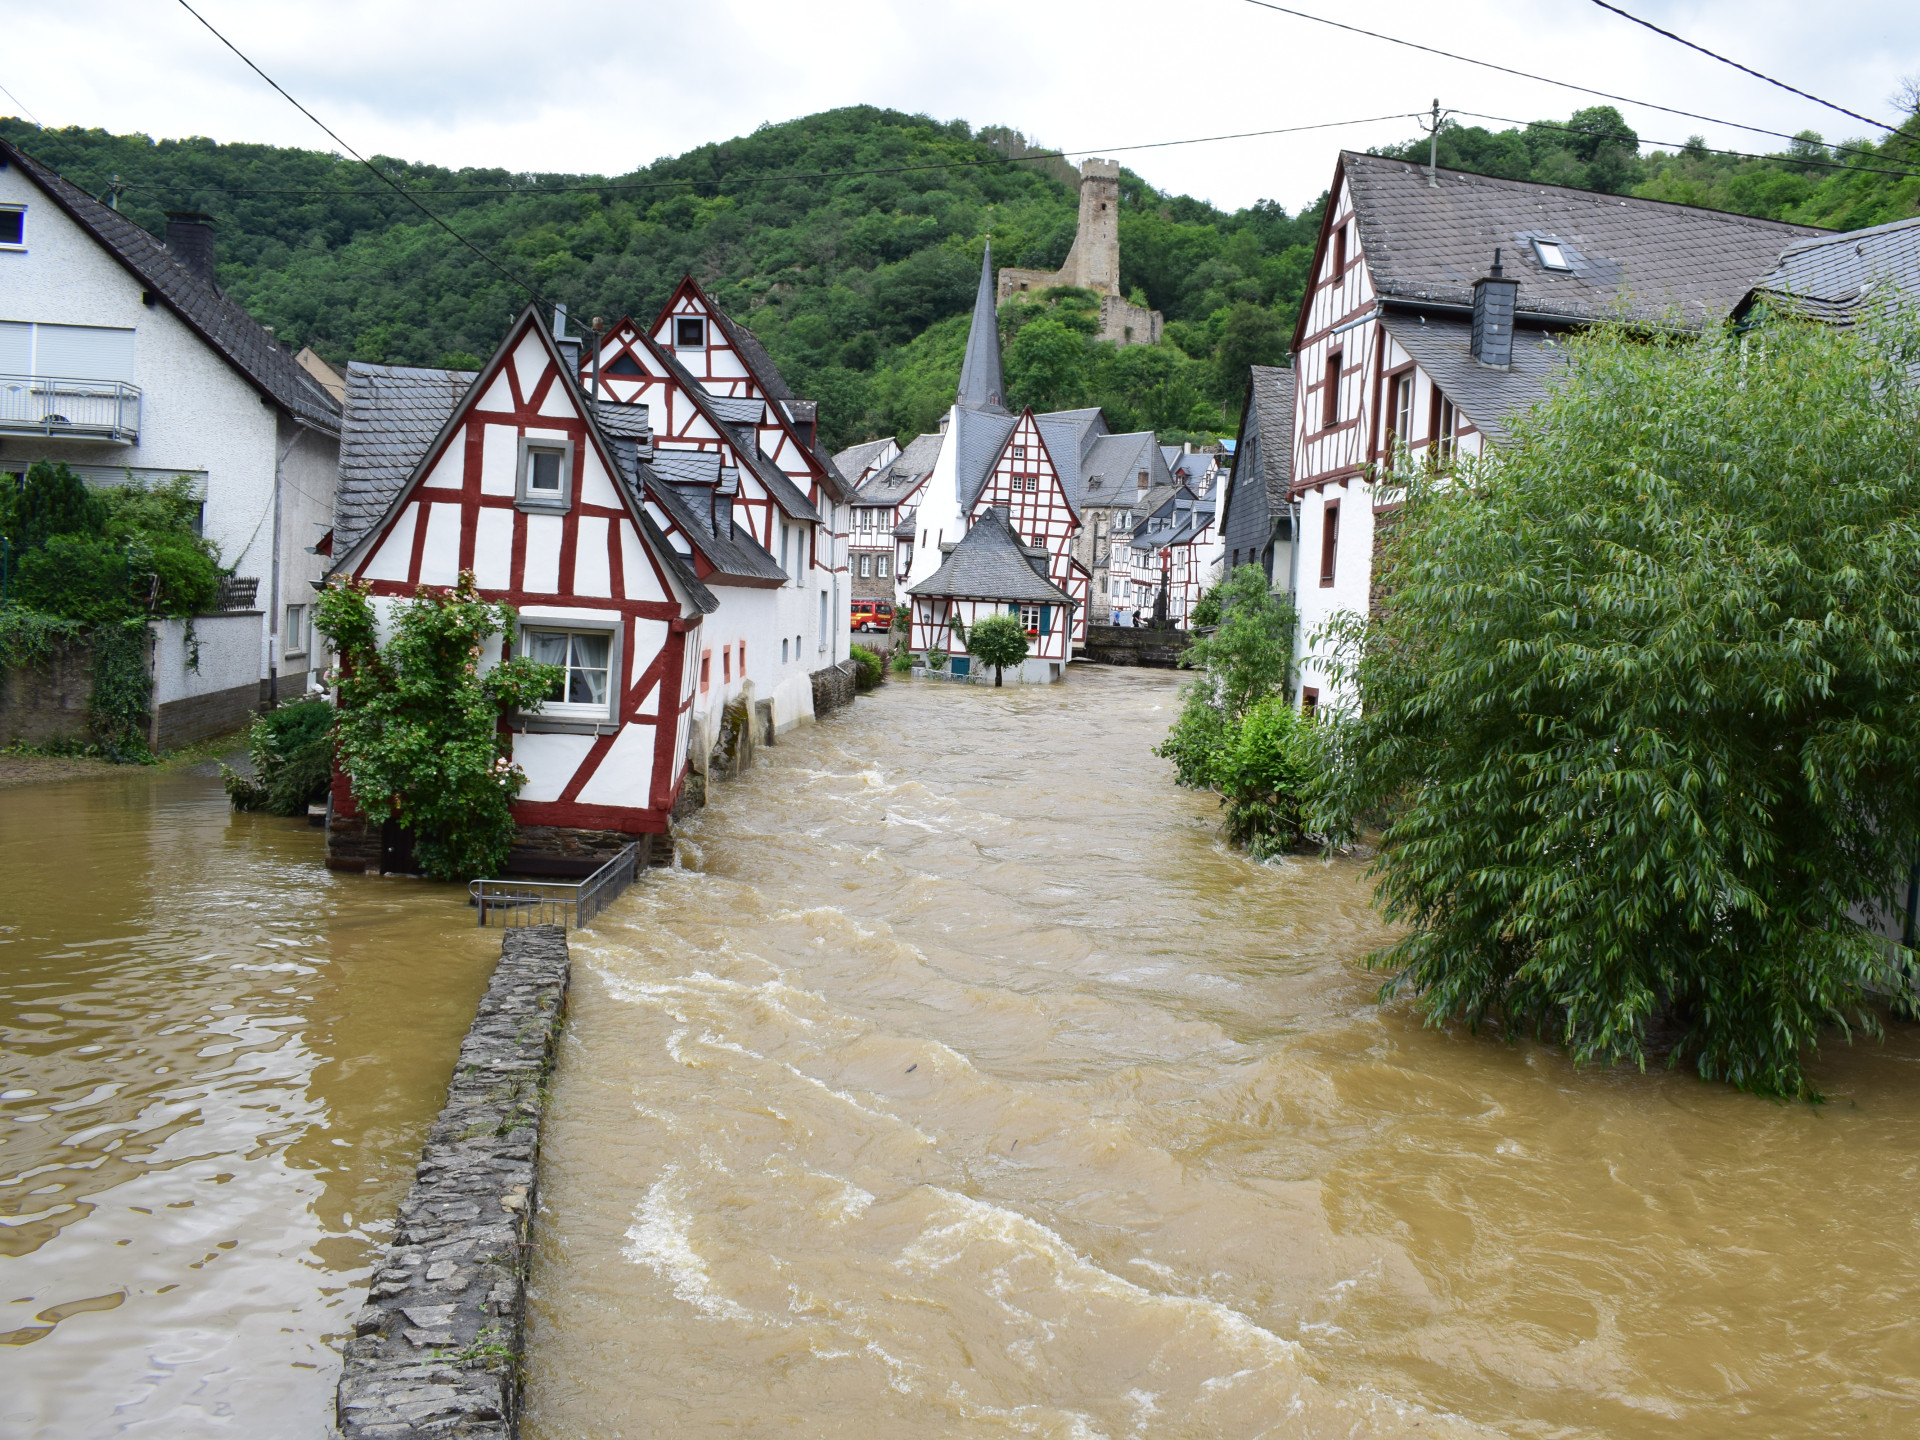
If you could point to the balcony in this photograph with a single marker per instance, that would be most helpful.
(50, 406)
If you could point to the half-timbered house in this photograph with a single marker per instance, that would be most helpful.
(992, 570)
(737, 450)
(1431, 317)
(516, 475)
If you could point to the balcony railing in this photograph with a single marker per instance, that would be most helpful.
(82, 409)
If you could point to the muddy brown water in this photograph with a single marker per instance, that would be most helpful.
(960, 1082)
(217, 1065)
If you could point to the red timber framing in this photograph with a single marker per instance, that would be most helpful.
(1026, 482)
(588, 561)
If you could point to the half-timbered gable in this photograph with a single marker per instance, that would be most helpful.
(1026, 486)
(521, 484)
(1431, 317)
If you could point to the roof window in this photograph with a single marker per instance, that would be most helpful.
(1551, 256)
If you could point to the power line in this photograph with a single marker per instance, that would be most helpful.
(1744, 69)
(601, 187)
(1522, 74)
(22, 104)
(406, 194)
(1685, 145)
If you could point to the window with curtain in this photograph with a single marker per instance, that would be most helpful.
(585, 658)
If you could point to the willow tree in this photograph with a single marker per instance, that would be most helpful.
(1643, 702)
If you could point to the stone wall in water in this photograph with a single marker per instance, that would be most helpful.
(1123, 645)
(437, 1347)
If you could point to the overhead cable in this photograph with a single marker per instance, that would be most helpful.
(1744, 69)
(384, 178)
(1677, 145)
(1522, 74)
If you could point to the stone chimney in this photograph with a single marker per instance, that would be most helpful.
(190, 242)
(1493, 304)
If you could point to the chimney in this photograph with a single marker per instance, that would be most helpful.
(569, 344)
(190, 242)
(1493, 300)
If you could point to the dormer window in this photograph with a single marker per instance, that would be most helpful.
(1551, 256)
(13, 227)
(689, 332)
(546, 474)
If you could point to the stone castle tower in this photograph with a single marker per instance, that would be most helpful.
(1094, 261)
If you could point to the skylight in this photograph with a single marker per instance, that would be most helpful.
(1551, 256)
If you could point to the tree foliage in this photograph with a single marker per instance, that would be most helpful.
(1644, 695)
(292, 753)
(418, 726)
(998, 640)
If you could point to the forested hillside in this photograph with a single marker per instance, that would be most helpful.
(859, 284)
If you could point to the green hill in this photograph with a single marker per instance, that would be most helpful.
(859, 284)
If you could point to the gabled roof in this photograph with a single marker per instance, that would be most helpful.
(1118, 460)
(1837, 278)
(232, 333)
(854, 462)
(897, 481)
(1486, 396)
(990, 563)
(1268, 423)
(907, 526)
(393, 414)
(978, 436)
(1646, 260)
(415, 391)
(981, 385)
(731, 551)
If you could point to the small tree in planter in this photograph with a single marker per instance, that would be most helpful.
(999, 641)
(417, 730)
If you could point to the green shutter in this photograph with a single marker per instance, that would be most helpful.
(1013, 609)
(1046, 619)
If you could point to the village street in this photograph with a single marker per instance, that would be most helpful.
(957, 1079)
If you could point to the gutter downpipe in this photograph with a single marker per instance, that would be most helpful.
(273, 587)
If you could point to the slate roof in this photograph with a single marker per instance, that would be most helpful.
(736, 410)
(786, 494)
(232, 333)
(1488, 397)
(732, 551)
(1273, 396)
(981, 385)
(1118, 461)
(1070, 436)
(907, 527)
(856, 460)
(1647, 259)
(980, 436)
(1838, 278)
(899, 478)
(393, 413)
(990, 563)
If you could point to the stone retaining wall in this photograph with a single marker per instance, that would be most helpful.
(833, 687)
(1121, 645)
(437, 1348)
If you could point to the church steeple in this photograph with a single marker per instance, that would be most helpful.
(981, 387)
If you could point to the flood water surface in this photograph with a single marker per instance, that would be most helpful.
(960, 1082)
(217, 1065)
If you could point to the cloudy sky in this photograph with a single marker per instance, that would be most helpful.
(576, 86)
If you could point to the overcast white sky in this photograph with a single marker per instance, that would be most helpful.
(576, 86)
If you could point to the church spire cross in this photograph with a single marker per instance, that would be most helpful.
(981, 386)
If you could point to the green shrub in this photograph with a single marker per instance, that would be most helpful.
(936, 659)
(417, 731)
(118, 708)
(1264, 770)
(76, 576)
(1195, 739)
(50, 500)
(999, 641)
(292, 753)
(1206, 610)
(1645, 687)
(902, 662)
(869, 672)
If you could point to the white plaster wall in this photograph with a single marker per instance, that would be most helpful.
(196, 412)
(229, 656)
(1352, 580)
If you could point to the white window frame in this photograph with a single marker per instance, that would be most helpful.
(880, 567)
(293, 632)
(525, 497)
(866, 567)
(566, 715)
(21, 211)
(1552, 255)
(699, 320)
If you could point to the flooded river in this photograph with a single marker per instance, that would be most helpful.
(960, 1082)
(217, 1065)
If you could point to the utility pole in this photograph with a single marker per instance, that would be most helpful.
(1432, 127)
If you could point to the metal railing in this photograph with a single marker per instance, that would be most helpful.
(55, 405)
(521, 904)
